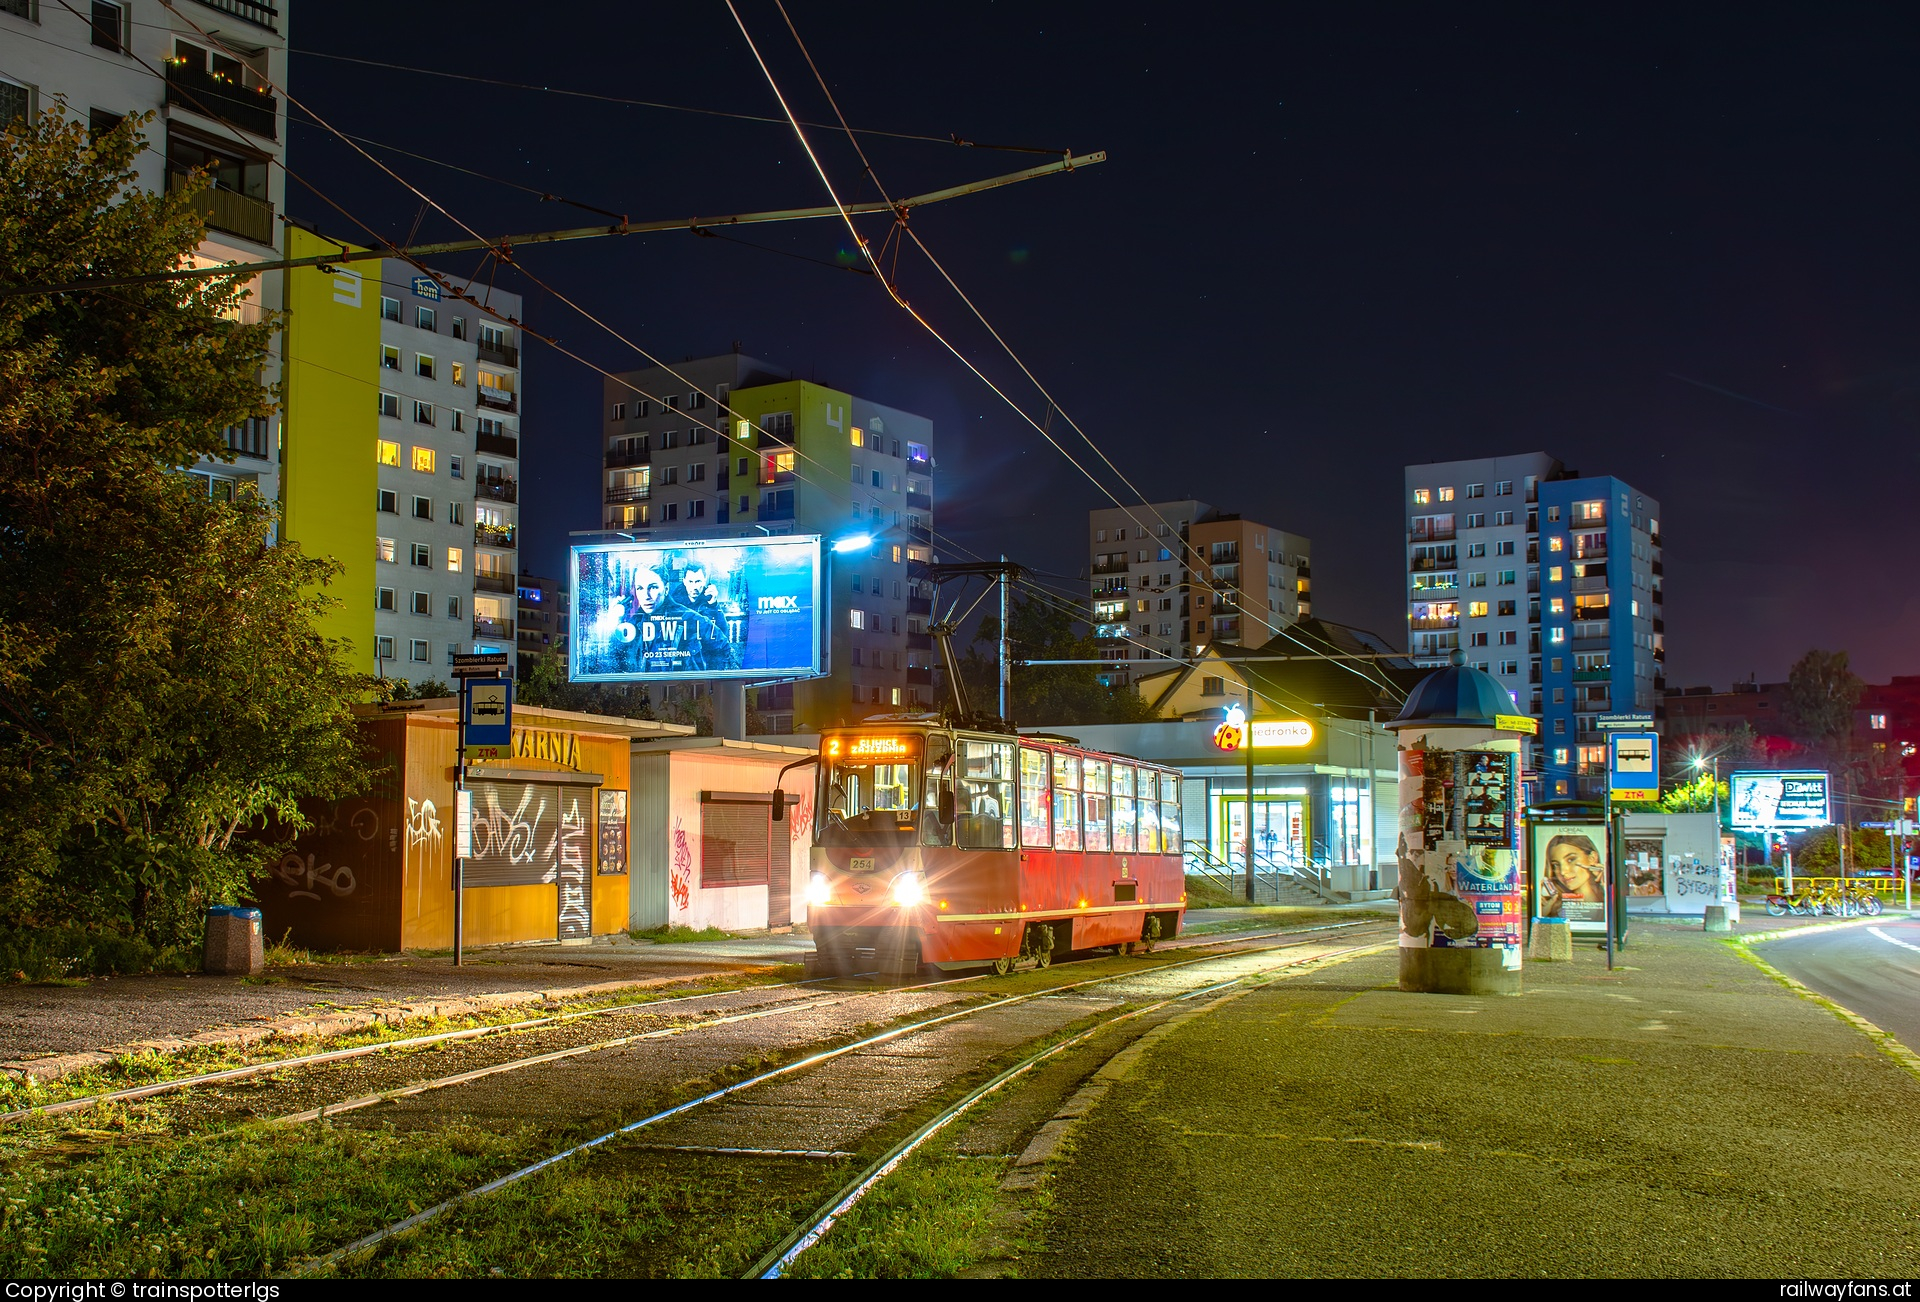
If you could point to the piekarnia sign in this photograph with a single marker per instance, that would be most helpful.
(705, 609)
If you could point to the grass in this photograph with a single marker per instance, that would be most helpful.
(939, 1215)
(127, 1070)
(679, 933)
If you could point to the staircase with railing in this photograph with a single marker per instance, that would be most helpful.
(1288, 879)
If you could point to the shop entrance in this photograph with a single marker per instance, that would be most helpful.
(1279, 829)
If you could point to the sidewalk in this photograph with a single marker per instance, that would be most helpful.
(1685, 1115)
(49, 1031)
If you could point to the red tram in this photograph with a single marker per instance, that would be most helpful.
(959, 848)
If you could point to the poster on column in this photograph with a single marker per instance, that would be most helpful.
(1569, 874)
(1460, 878)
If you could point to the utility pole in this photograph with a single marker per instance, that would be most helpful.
(1006, 642)
(1246, 742)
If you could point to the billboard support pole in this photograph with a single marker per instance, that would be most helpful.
(729, 709)
(459, 789)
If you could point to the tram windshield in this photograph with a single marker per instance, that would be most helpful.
(873, 789)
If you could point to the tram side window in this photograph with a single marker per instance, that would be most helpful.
(1036, 829)
(1066, 802)
(1147, 811)
(1123, 809)
(985, 797)
(1093, 798)
(1170, 813)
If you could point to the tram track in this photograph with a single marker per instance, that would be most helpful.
(1066, 1015)
(798, 997)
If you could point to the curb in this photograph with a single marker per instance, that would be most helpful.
(299, 1026)
(1029, 1169)
(1837, 924)
(1883, 1039)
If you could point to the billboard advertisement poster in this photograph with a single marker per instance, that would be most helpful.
(1569, 874)
(1779, 800)
(1485, 785)
(704, 609)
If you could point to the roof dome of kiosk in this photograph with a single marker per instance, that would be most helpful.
(1456, 697)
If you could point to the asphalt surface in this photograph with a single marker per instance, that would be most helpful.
(1872, 970)
(1683, 1116)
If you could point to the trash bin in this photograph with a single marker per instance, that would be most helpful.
(234, 942)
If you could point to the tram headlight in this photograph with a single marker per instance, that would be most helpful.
(819, 889)
(909, 890)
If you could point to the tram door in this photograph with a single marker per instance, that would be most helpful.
(1277, 831)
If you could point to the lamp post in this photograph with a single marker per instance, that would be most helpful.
(1713, 762)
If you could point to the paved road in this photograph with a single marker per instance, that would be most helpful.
(1874, 970)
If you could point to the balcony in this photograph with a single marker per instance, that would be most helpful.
(1654, 539)
(1594, 553)
(260, 15)
(230, 211)
(1591, 583)
(919, 605)
(503, 354)
(1592, 675)
(502, 628)
(619, 457)
(250, 109)
(921, 465)
(917, 570)
(633, 493)
(919, 502)
(772, 510)
(497, 399)
(920, 641)
(493, 535)
(1429, 623)
(919, 675)
(1659, 625)
(498, 490)
(1111, 567)
(1659, 568)
(499, 445)
(486, 581)
(773, 439)
(920, 533)
(1430, 535)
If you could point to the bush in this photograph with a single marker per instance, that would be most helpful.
(51, 953)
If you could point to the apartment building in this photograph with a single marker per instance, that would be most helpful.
(215, 111)
(544, 617)
(1170, 578)
(447, 455)
(734, 446)
(1552, 582)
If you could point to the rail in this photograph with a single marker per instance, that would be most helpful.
(1889, 885)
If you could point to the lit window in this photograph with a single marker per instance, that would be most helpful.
(1476, 609)
(896, 553)
(1556, 606)
(1553, 574)
(1556, 635)
(423, 459)
(1556, 544)
(1560, 755)
(1877, 722)
(384, 549)
(1446, 494)
(459, 370)
(857, 618)
(454, 559)
(1421, 496)
(386, 452)
(857, 437)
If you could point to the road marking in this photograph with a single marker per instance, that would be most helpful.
(1894, 940)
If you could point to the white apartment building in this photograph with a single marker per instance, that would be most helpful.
(449, 456)
(215, 111)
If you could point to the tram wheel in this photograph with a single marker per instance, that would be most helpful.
(1149, 933)
(1002, 966)
(1043, 960)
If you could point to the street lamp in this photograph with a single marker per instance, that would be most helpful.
(1713, 761)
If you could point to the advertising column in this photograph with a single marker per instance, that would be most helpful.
(1461, 900)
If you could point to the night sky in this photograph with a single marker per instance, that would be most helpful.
(1680, 250)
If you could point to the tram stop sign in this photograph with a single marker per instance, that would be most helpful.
(486, 714)
(1633, 765)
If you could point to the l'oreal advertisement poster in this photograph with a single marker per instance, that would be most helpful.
(1570, 874)
(717, 608)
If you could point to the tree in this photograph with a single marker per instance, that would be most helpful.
(166, 703)
(543, 682)
(1821, 695)
(1045, 694)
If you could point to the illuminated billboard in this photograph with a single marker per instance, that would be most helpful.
(1782, 800)
(701, 609)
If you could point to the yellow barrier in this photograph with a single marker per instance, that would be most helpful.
(1801, 885)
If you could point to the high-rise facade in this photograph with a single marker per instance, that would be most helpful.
(1549, 580)
(215, 111)
(732, 446)
(1170, 578)
(445, 524)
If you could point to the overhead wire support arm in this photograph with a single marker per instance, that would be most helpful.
(503, 244)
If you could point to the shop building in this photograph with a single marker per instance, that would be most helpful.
(551, 858)
(707, 851)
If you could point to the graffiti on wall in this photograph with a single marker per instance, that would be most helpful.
(569, 852)
(496, 833)
(680, 880)
(302, 874)
(800, 817)
(423, 824)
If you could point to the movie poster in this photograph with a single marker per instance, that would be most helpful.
(728, 608)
